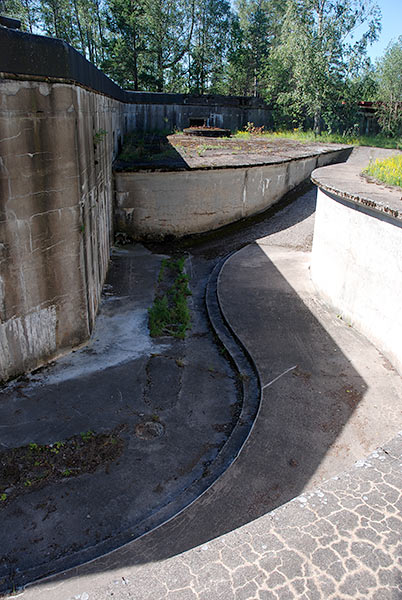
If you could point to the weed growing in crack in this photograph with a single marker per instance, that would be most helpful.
(169, 314)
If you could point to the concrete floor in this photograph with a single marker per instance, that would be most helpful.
(329, 399)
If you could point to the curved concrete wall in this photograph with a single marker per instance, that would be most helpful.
(357, 254)
(57, 143)
(155, 204)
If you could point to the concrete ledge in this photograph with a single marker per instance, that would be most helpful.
(357, 250)
(157, 204)
(346, 181)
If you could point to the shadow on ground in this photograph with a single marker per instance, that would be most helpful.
(295, 208)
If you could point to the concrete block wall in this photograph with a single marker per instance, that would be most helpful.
(57, 143)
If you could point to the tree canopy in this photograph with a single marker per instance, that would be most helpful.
(389, 93)
(307, 58)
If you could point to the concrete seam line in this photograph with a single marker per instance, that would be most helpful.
(278, 377)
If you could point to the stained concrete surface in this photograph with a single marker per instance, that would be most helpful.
(299, 439)
(123, 377)
(347, 181)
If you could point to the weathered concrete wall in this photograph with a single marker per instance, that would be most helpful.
(55, 216)
(152, 117)
(180, 203)
(357, 258)
(56, 186)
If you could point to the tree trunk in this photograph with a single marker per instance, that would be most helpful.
(102, 41)
(77, 16)
(159, 82)
(317, 122)
(135, 59)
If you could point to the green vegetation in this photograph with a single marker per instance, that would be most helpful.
(147, 147)
(387, 171)
(378, 141)
(306, 58)
(389, 93)
(86, 435)
(29, 467)
(169, 314)
(99, 136)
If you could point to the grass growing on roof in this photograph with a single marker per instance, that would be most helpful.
(378, 141)
(387, 171)
(169, 314)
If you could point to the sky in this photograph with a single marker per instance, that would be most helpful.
(391, 26)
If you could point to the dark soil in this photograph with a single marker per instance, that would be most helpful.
(205, 131)
(30, 467)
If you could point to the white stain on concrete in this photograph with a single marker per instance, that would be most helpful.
(116, 340)
(33, 336)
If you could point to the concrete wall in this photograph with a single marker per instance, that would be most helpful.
(56, 185)
(151, 117)
(185, 202)
(55, 216)
(357, 268)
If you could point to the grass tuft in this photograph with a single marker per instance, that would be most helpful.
(169, 314)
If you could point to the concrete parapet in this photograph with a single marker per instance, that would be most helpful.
(357, 250)
(26, 56)
(154, 205)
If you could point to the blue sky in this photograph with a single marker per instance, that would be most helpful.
(391, 26)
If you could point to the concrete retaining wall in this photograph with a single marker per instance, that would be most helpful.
(357, 260)
(61, 124)
(179, 203)
(57, 144)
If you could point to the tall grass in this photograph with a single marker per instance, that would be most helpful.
(378, 141)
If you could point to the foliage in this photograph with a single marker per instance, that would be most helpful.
(377, 141)
(209, 46)
(255, 28)
(388, 170)
(253, 129)
(169, 314)
(389, 95)
(307, 58)
(309, 68)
